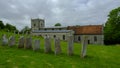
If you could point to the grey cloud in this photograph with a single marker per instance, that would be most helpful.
(74, 12)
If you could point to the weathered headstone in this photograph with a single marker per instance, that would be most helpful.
(4, 40)
(84, 47)
(70, 45)
(47, 44)
(11, 41)
(21, 42)
(57, 46)
(28, 43)
(36, 45)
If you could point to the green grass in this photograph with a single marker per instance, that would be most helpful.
(97, 57)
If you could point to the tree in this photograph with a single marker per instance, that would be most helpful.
(112, 27)
(1, 25)
(25, 29)
(57, 24)
(10, 27)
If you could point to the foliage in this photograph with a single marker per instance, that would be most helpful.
(25, 29)
(112, 27)
(57, 24)
(7, 27)
(10, 27)
(1, 25)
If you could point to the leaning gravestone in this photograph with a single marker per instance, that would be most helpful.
(47, 44)
(28, 43)
(36, 45)
(21, 42)
(57, 46)
(4, 40)
(70, 45)
(11, 41)
(84, 46)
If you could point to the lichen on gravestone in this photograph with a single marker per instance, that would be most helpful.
(84, 46)
(4, 40)
(70, 45)
(21, 42)
(57, 46)
(47, 46)
(11, 41)
(36, 45)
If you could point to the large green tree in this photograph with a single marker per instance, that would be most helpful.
(1, 25)
(57, 24)
(112, 27)
(10, 27)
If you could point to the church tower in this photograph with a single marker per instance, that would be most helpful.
(36, 24)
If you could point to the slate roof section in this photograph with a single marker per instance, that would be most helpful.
(51, 31)
(87, 30)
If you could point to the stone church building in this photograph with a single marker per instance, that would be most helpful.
(94, 32)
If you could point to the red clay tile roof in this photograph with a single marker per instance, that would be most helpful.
(87, 30)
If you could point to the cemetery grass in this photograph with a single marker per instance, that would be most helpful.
(97, 56)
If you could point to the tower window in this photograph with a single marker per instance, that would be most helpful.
(34, 25)
(41, 24)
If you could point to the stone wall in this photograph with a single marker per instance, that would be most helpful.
(54, 35)
(91, 40)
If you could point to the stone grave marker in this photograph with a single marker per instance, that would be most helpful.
(28, 43)
(36, 45)
(57, 46)
(21, 42)
(84, 46)
(4, 40)
(11, 41)
(47, 46)
(70, 45)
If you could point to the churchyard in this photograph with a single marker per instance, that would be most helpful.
(41, 52)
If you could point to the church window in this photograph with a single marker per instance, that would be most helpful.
(79, 38)
(95, 38)
(63, 37)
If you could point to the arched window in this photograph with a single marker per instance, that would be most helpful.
(54, 36)
(63, 37)
(95, 38)
(79, 39)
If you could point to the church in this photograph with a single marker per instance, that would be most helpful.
(94, 32)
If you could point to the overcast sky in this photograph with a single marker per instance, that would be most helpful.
(66, 12)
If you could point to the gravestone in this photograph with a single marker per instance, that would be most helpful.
(4, 40)
(57, 46)
(11, 41)
(21, 42)
(36, 45)
(28, 43)
(47, 46)
(84, 46)
(70, 45)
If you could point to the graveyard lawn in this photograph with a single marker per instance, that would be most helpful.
(97, 57)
